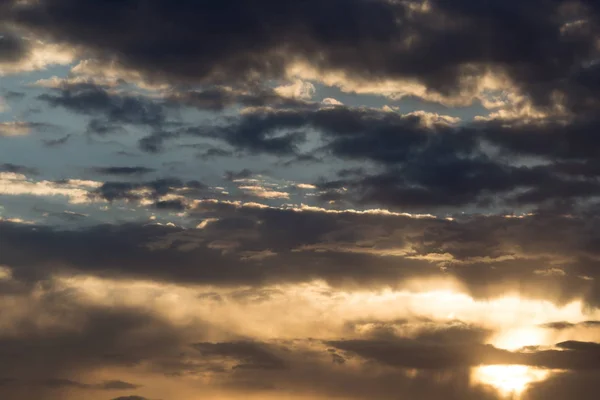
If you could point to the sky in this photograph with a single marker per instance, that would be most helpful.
(299, 200)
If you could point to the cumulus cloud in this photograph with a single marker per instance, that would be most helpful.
(376, 43)
(343, 199)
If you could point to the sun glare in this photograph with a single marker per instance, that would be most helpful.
(514, 339)
(509, 380)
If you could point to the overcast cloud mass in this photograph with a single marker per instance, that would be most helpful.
(303, 200)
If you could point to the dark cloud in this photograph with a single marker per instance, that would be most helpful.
(406, 353)
(538, 153)
(365, 134)
(94, 100)
(112, 191)
(253, 137)
(547, 57)
(12, 47)
(57, 142)
(18, 169)
(250, 355)
(250, 44)
(118, 385)
(243, 174)
(543, 256)
(369, 41)
(219, 98)
(561, 325)
(44, 363)
(107, 385)
(130, 398)
(419, 165)
(170, 205)
(554, 138)
(123, 171)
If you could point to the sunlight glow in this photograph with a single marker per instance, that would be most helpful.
(509, 380)
(515, 339)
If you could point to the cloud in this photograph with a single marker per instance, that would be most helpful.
(90, 99)
(219, 98)
(297, 89)
(243, 174)
(16, 184)
(126, 328)
(23, 128)
(130, 398)
(123, 171)
(380, 47)
(331, 101)
(422, 161)
(568, 325)
(410, 354)
(20, 54)
(249, 355)
(262, 192)
(57, 142)
(305, 186)
(15, 128)
(165, 192)
(107, 385)
(44, 358)
(433, 244)
(18, 169)
(487, 255)
(389, 32)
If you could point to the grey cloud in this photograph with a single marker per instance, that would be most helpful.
(219, 98)
(422, 166)
(112, 191)
(368, 42)
(43, 362)
(249, 355)
(561, 325)
(93, 100)
(406, 353)
(123, 171)
(12, 47)
(19, 169)
(107, 385)
(243, 174)
(57, 142)
(489, 254)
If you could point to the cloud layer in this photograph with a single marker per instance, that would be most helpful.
(357, 199)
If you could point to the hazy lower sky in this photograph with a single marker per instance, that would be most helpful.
(303, 199)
